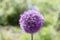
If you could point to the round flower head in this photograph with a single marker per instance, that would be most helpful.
(31, 21)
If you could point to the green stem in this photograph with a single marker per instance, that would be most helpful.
(31, 36)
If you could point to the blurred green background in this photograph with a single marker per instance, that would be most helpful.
(10, 11)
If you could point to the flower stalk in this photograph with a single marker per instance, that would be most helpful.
(31, 36)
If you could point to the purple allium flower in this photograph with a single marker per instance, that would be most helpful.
(31, 21)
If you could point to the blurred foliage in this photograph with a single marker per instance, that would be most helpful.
(10, 11)
(14, 17)
(46, 33)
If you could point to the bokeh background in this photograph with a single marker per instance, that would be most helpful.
(10, 11)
